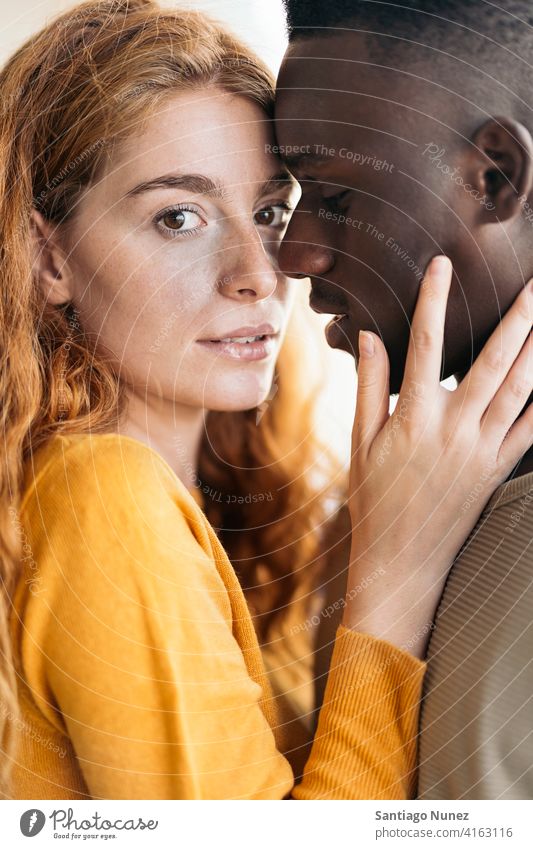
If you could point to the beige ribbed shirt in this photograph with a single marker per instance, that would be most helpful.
(477, 719)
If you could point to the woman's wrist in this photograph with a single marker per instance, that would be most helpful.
(391, 602)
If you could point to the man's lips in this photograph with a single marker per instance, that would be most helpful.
(329, 306)
(338, 332)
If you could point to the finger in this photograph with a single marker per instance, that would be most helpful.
(490, 369)
(518, 441)
(372, 403)
(424, 356)
(512, 396)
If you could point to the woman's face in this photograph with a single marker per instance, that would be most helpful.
(173, 253)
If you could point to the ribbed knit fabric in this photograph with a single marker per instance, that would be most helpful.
(383, 702)
(140, 675)
(477, 720)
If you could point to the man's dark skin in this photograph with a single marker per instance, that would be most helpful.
(336, 106)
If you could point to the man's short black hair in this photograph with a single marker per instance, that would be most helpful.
(438, 20)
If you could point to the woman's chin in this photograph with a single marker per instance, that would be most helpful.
(238, 402)
(244, 392)
(235, 405)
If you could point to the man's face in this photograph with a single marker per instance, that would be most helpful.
(386, 171)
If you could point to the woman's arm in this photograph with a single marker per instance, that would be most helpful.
(131, 641)
(138, 648)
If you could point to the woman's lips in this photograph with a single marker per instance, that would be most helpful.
(245, 343)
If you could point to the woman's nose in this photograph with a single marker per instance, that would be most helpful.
(254, 275)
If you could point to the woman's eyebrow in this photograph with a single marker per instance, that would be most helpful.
(198, 184)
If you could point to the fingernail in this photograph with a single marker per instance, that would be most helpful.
(529, 285)
(367, 347)
(440, 266)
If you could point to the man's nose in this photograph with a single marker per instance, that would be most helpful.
(303, 251)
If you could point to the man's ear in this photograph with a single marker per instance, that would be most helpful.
(502, 153)
(49, 266)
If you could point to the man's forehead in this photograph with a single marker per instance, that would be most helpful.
(308, 121)
(336, 60)
(315, 97)
(318, 82)
(327, 69)
(322, 98)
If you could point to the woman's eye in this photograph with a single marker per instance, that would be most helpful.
(180, 220)
(276, 215)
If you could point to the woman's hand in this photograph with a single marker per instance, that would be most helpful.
(421, 477)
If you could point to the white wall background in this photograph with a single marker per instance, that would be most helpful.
(261, 23)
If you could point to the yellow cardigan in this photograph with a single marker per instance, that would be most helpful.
(140, 675)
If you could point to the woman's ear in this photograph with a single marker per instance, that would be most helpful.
(502, 154)
(49, 262)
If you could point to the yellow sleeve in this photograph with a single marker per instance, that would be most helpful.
(134, 638)
(365, 746)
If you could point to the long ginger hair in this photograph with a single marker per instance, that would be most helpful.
(87, 78)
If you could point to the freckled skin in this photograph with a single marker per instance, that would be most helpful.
(148, 297)
(332, 95)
